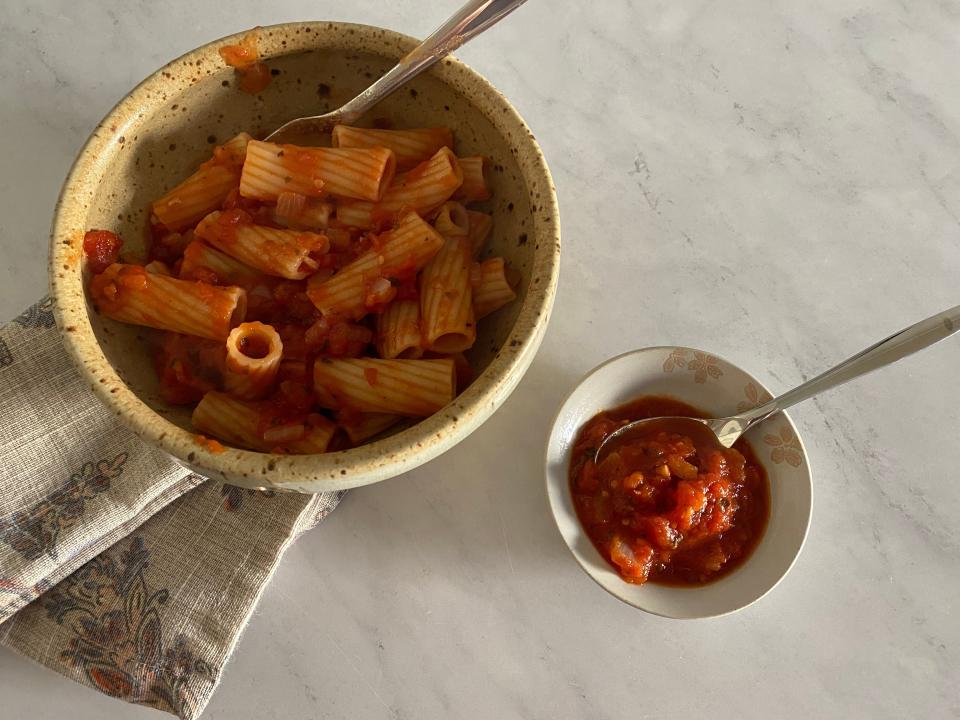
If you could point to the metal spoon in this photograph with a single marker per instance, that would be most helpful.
(468, 22)
(728, 429)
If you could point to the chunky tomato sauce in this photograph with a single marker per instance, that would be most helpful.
(102, 249)
(670, 505)
(254, 75)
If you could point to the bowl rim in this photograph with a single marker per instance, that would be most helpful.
(368, 463)
(554, 430)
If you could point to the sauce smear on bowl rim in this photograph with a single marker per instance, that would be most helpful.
(671, 506)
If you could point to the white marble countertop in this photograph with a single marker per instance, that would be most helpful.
(785, 179)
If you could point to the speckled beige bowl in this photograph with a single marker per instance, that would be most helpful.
(167, 125)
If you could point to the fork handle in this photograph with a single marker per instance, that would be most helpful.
(897, 346)
(468, 22)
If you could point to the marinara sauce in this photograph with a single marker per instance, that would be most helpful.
(670, 505)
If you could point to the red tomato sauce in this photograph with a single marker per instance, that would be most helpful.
(102, 249)
(245, 58)
(670, 506)
(210, 444)
(188, 367)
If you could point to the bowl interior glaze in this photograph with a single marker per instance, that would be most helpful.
(169, 124)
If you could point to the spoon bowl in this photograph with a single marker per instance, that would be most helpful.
(703, 431)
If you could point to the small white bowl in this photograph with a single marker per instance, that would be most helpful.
(720, 388)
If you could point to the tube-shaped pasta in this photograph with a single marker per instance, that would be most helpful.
(493, 286)
(398, 330)
(453, 220)
(130, 294)
(359, 173)
(288, 254)
(195, 197)
(248, 425)
(415, 388)
(423, 189)
(480, 226)
(363, 426)
(446, 308)
(398, 253)
(298, 212)
(253, 358)
(233, 151)
(205, 190)
(200, 260)
(410, 146)
(475, 185)
(157, 267)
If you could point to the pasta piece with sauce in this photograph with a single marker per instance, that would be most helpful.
(480, 226)
(201, 262)
(363, 426)
(446, 307)
(411, 147)
(359, 173)
(423, 189)
(254, 425)
(415, 388)
(398, 331)
(493, 286)
(290, 254)
(309, 241)
(130, 294)
(355, 290)
(475, 185)
(254, 351)
(453, 220)
(205, 190)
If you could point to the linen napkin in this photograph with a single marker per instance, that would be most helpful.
(119, 568)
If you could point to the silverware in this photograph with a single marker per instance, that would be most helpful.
(465, 24)
(728, 429)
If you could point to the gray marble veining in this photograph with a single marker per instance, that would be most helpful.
(777, 182)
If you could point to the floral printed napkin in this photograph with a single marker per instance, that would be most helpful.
(120, 568)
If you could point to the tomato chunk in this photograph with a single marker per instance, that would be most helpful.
(669, 506)
(102, 249)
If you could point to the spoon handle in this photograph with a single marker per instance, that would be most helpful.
(468, 22)
(897, 346)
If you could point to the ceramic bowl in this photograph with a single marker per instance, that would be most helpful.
(720, 388)
(166, 126)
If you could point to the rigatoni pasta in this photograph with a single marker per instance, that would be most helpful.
(398, 331)
(446, 308)
(257, 426)
(396, 253)
(415, 388)
(360, 173)
(363, 426)
(422, 190)
(206, 189)
(411, 147)
(290, 254)
(130, 294)
(480, 226)
(254, 351)
(202, 263)
(474, 185)
(311, 298)
(453, 220)
(493, 286)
